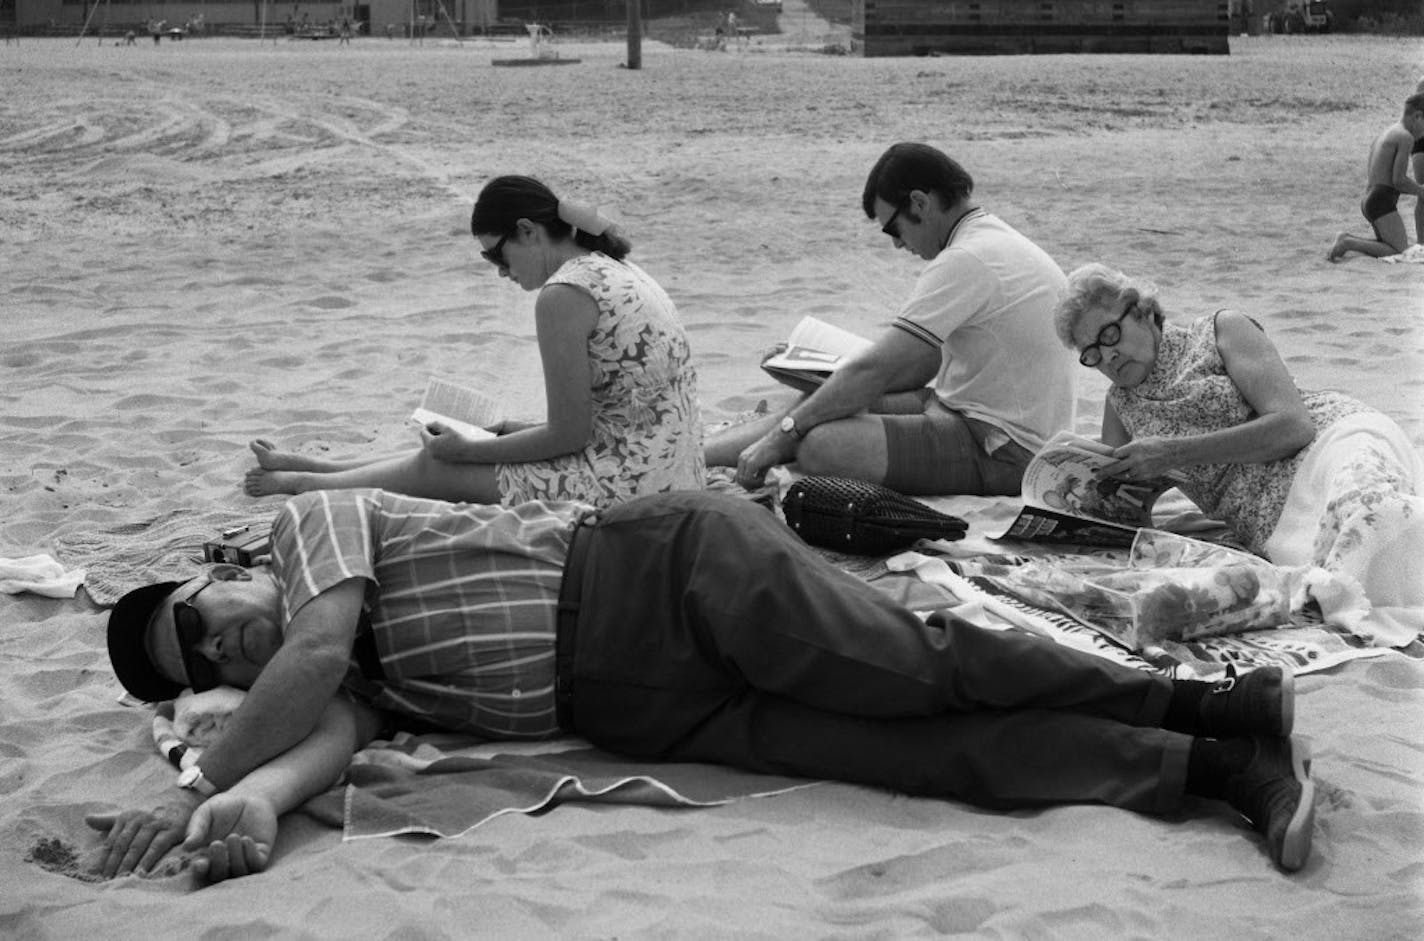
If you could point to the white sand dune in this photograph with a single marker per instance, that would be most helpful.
(210, 241)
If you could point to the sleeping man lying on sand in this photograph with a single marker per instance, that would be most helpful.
(686, 626)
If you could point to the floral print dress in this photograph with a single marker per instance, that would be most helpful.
(646, 434)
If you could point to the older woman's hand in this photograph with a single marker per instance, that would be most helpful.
(1144, 458)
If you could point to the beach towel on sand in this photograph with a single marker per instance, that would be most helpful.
(435, 786)
(446, 785)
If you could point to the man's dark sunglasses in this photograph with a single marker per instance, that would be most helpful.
(202, 672)
(495, 256)
(889, 227)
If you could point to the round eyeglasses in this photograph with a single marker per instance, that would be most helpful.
(1109, 335)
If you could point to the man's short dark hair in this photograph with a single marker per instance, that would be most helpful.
(1414, 102)
(909, 166)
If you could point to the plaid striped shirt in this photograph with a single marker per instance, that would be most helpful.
(462, 600)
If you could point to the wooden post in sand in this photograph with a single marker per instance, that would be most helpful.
(635, 34)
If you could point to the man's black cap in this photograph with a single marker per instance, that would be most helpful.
(128, 648)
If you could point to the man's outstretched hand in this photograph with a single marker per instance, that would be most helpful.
(137, 840)
(227, 836)
(231, 835)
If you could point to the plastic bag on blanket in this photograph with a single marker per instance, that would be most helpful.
(1173, 587)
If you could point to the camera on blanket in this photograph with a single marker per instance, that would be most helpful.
(242, 546)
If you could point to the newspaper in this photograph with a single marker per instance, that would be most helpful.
(458, 407)
(814, 350)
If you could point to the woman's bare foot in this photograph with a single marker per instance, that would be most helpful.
(269, 458)
(1338, 250)
(261, 482)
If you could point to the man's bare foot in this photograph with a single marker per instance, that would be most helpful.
(261, 482)
(1338, 250)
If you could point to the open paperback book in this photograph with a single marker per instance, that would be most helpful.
(460, 408)
(1067, 499)
(814, 350)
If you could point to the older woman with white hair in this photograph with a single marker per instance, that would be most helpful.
(1302, 478)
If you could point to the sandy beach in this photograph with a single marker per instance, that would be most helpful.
(210, 241)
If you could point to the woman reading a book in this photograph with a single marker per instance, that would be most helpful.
(1314, 478)
(622, 418)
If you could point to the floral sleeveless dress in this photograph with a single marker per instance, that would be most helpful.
(1189, 392)
(646, 435)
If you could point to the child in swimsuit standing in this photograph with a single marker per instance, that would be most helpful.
(1388, 178)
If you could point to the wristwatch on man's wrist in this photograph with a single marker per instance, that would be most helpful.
(788, 426)
(191, 779)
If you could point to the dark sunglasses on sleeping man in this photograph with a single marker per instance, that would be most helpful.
(495, 256)
(188, 622)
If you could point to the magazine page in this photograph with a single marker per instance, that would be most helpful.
(1035, 524)
(460, 407)
(814, 350)
(1066, 500)
(1066, 477)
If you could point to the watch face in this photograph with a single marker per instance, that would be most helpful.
(788, 425)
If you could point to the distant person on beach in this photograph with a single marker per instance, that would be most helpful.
(1388, 177)
(1416, 157)
(978, 325)
(1303, 478)
(623, 417)
(685, 627)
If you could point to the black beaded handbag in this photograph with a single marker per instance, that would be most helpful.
(862, 518)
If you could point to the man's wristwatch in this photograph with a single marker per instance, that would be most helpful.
(191, 778)
(788, 427)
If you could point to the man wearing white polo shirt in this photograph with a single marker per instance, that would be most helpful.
(978, 324)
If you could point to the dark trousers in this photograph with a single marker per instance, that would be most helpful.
(708, 632)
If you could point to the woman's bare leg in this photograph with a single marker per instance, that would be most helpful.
(269, 458)
(414, 474)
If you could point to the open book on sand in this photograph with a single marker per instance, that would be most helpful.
(1066, 499)
(459, 407)
(814, 350)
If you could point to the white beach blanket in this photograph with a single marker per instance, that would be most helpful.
(1352, 510)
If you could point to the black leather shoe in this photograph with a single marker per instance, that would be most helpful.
(1276, 794)
(1261, 702)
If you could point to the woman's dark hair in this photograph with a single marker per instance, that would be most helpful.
(507, 199)
(905, 167)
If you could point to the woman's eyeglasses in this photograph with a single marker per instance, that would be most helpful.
(1109, 335)
(495, 256)
(188, 622)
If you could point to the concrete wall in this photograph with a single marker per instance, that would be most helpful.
(989, 27)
